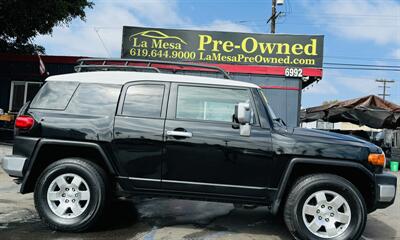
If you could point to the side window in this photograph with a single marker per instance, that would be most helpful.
(208, 103)
(54, 95)
(95, 99)
(144, 100)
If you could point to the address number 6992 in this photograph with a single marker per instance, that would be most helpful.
(293, 72)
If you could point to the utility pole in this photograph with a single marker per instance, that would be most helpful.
(385, 82)
(273, 16)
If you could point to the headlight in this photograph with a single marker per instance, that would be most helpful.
(377, 159)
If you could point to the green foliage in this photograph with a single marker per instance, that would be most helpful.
(329, 102)
(22, 20)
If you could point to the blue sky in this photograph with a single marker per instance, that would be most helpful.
(356, 31)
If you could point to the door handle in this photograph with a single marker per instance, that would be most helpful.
(179, 134)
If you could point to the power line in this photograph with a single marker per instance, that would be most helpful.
(343, 25)
(365, 68)
(362, 58)
(344, 15)
(102, 42)
(361, 65)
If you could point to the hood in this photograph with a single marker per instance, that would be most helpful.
(331, 136)
(319, 143)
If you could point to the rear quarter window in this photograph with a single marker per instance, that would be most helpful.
(94, 99)
(144, 100)
(54, 95)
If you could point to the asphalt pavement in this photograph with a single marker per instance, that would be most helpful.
(160, 218)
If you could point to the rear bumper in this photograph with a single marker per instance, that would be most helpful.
(14, 165)
(386, 186)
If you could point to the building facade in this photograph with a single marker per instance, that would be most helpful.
(20, 79)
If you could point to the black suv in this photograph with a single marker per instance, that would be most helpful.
(88, 137)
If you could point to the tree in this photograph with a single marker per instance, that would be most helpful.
(329, 102)
(22, 20)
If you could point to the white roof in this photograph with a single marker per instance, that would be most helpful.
(120, 77)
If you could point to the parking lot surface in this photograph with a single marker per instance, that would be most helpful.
(158, 218)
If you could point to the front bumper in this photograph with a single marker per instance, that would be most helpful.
(386, 186)
(14, 165)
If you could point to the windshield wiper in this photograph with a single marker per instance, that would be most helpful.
(280, 121)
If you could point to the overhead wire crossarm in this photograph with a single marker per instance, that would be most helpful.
(384, 86)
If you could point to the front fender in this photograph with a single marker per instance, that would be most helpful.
(284, 182)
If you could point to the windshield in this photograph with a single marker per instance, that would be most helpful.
(277, 120)
(264, 98)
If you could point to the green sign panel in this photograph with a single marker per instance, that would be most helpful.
(223, 47)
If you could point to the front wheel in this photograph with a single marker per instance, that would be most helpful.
(71, 194)
(325, 206)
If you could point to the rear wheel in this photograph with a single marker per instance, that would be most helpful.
(325, 206)
(71, 194)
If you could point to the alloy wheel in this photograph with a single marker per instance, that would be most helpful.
(68, 195)
(326, 214)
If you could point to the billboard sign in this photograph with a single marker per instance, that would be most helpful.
(296, 51)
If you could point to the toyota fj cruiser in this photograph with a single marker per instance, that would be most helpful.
(88, 137)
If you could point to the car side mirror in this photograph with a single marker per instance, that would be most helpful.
(243, 113)
(243, 117)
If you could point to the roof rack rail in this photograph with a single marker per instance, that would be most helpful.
(83, 64)
(89, 67)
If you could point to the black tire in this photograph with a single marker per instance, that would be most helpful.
(97, 183)
(308, 185)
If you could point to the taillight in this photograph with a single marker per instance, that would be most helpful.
(24, 122)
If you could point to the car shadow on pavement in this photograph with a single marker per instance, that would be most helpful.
(186, 219)
(166, 219)
(161, 218)
(377, 229)
(120, 214)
